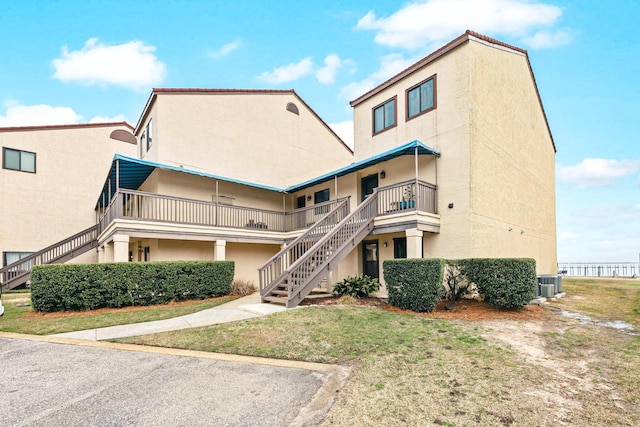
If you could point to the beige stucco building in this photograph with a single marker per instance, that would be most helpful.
(453, 158)
(49, 180)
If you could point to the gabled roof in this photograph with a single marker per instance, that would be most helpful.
(59, 127)
(134, 172)
(404, 150)
(468, 35)
(212, 91)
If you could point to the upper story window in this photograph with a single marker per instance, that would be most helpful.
(384, 116)
(146, 139)
(421, 98)
(18, 160)
(149, 135)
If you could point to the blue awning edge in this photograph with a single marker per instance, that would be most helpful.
(134, 172)
(403, 150)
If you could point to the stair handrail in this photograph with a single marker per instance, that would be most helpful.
(270, 279)
(294, 273)
(40, 257)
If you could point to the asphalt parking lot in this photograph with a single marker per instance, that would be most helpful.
(61, 382)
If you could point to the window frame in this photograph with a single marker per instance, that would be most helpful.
(20, 152)
(149, 133)
(435, 98)
(322, 209)
(393, 99)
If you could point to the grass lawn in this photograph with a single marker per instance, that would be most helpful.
(412, 370)
(607, 299)
(25, 320)
(409, 369)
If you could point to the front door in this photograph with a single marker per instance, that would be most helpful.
(368, 184)
(370, 259)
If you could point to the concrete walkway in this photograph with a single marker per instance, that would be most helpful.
(240, 309)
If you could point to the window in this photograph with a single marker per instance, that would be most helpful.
(149, 135)
(143, 144)
(18, 160)
(400, 247)
(11, 257)
(146, 139)
(384, 116)
(319, 197)
(293, 108)
(421, 98)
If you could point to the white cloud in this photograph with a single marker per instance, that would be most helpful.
(37, 115)
(224, 50)
(598, 172)
(567, 235)
(548, 39)
(132, 65)
(390, 65)
(327, 74)
(106, 119)
(289, 72)
(604, 232)
(344, 131)
(422, 23)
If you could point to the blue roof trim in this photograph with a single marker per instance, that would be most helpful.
(406, 149)
(134, 172)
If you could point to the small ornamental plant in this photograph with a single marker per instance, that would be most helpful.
(357, 286)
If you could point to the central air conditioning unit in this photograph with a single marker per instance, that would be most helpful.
(547, 290)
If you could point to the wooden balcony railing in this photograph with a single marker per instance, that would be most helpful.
(403, 196)
(137, 205)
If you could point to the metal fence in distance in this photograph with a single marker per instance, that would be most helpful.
(599, 269)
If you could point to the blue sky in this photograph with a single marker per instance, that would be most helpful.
(81, 61)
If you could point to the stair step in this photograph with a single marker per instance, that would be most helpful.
(277, 300)
(280, 292)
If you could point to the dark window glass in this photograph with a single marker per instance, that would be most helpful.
(384, 116)
(400, 247)
(18, 160)
(420, 98)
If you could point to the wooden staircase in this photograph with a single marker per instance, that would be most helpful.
(19, 272)
(297, 276)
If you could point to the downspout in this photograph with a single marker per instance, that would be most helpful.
(335, 180)
(436, 195)
(417, 191)
(216, 208)
(117, 193)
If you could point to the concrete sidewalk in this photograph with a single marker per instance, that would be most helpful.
(240, 309)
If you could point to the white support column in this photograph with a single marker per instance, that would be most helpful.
(219, 250)
(108, 252)
(120, 248)
(414, 242)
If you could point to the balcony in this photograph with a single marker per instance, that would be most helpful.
(149, 207)
(404, 201)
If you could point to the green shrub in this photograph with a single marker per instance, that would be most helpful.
(414, 284)
(89, 286)
(505, 282)
(356, 286)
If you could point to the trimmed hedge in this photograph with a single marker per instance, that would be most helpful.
(505, 282)
(89, 286)
(414, 284)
